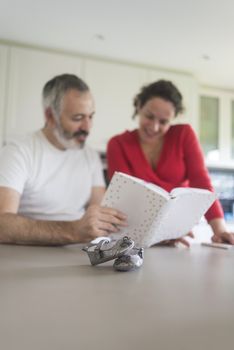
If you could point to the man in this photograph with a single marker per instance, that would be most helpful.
(51, 183)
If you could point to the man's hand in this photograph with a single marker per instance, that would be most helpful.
(99, 221)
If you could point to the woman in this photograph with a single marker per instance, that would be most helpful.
(167, 155)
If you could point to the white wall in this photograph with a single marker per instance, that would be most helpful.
(4, 55)
(28, 71)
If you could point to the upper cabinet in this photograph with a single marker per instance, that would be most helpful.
(4, 54)
(24, 71)
(114, 86)
(29, 70)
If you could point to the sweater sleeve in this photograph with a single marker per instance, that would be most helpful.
(197, 172)
(116, 157)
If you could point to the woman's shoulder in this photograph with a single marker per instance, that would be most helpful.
(125, 136)
(182, 135)
(181, 129)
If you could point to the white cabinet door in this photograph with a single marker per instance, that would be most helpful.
(4, 50)
(114, 87)
(189, 89)
(29, 71)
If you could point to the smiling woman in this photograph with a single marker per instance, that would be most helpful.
(167, 155)
(156, 106)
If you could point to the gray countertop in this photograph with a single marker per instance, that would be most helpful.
(51, 298)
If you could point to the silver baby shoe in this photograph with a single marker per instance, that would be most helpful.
(130, 260)
(106, 250)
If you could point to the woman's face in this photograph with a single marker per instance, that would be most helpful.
(155, 118)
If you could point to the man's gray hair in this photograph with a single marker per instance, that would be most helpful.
(55, 89)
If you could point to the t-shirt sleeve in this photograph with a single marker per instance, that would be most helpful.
(14, 167)
(197, 172)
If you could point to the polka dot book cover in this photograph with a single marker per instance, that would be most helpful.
(153, 214)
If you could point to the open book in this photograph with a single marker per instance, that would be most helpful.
(154, 215)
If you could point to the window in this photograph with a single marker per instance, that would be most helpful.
(223, 182)
(232, 122)
(209, 126)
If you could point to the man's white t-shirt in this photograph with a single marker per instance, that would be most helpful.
(54, 184)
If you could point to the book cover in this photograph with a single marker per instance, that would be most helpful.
(154, 215)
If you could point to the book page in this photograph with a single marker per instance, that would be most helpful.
(183, 190)
(154, 215)
(180, 214)
(158, 190)
(140, 203)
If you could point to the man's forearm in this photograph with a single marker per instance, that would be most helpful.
(18, 229)
(96, 222)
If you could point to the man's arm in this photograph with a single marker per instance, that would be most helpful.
(14, 228)
(96, 195)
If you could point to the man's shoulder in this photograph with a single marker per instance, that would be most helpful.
(16, 160)
(23, 141)
(91, 158)
(90, 150)
(23, 148)
(91, 155)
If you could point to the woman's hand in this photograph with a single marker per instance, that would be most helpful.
(220, 232)
(174, 242)
(223, 237)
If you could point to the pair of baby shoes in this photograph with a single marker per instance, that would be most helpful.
(127, 257)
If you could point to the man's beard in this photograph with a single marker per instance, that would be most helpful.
(69, 140)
